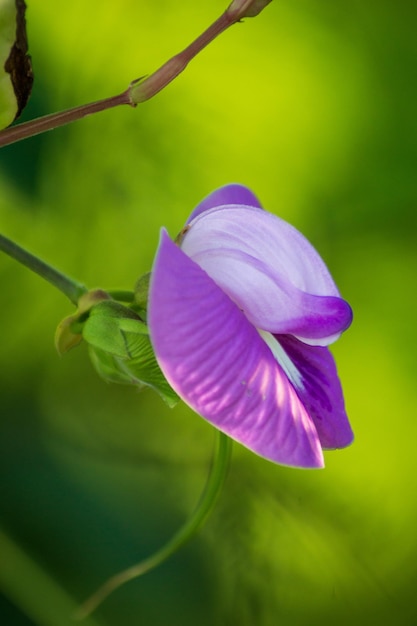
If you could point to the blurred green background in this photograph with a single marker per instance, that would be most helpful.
(312, 105)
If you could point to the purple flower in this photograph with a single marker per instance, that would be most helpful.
(240, 314)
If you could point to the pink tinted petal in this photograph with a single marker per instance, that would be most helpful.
(322, 395)
(270, 271)
(229, 194)
(219, 365)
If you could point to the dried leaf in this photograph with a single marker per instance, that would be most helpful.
(16, 76)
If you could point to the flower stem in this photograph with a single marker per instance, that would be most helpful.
(208, 498)
(67, 286)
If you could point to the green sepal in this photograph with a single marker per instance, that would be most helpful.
(107, 366)
(121, 350)
(69, 331)
(107, 324)
(140, 303)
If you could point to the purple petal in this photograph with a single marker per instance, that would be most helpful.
(229, 194)
(270, 271)
(322, 394)
(217, 362)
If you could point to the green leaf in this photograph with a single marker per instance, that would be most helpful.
(16, 75)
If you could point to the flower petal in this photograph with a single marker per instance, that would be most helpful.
(218, 363)
(270, 271)
(229, 194)
(322, 393)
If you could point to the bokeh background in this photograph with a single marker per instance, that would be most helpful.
(312, 105)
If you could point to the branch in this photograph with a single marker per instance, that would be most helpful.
(143, 88)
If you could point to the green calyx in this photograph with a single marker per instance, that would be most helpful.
(69, 331)
(118, 341)
(140, 301)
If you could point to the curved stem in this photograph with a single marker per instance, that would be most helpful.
(66, 285)
(208, 498)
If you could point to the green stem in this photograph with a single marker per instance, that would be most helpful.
(208, 498)
(67, 286)
(32, 590)
(121, 295)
